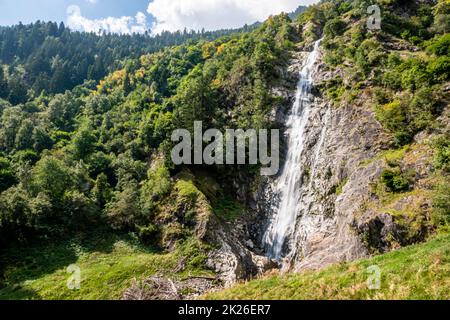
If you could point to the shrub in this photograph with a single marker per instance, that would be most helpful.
(149, 234)
(441, 203)
(22, 217)
(82, 210)
(439, 46)
(157, 185)
(414, 74)
(334, 27)
(392, 115)
(442, 153)
(439, 69)
(26, 156)
(15, 215)
(394, 180)
(52, 177)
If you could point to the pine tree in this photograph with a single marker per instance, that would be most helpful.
(3, 84)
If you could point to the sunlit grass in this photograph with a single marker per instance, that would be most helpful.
(109, 264)
(416, 272)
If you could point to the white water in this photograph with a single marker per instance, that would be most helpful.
(288, 184)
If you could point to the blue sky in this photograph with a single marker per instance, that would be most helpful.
(13, 11)
(127, 16)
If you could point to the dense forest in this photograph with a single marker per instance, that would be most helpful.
(86, 119)
(46, 56)
(78, 157)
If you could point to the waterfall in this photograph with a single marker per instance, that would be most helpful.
(288, 184)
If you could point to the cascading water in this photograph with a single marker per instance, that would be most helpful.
(288, 185)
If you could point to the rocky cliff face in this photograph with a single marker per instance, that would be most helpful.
(334, 185)
(343, 218)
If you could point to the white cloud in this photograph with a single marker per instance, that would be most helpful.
(172, 15)
(92, 1)
(122, 25)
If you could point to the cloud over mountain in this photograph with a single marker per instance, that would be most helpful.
(122, 25)
(172, 15)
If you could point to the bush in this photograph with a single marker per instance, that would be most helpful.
(394, 180)
(392, 115)
(441, 203)
(22, 217)
(52, 177)
(408, 115)
(442, 153)
(369, 54)
(414, 74)
(439, 46)
(439, 69)
(149, 235)
(157, 185)
(26, 156)
(15, 215)
(82, 210)
(335, 27)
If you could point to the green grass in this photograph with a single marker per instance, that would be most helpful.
(109, 264)
(392, 156)
(416, 272)
(340, 187)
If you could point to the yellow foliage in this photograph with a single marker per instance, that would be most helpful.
(208, 50)
(216, 83)
(140, 74)
(147, 59)
(221, 48)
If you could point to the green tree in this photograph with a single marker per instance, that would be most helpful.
(62, 110)
(83, 143)
(194, 101)
(3, 84)
(335, 27)
(10, 123)
(124, 211)
(42, 140)
(24, 137)
(52, 177)
(102, 191)
(7, 177)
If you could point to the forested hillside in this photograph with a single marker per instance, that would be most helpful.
(88, 159)
(86, 176)
(49, 56)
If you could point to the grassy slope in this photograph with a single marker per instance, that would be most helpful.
(417, 272)
(109, 264)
